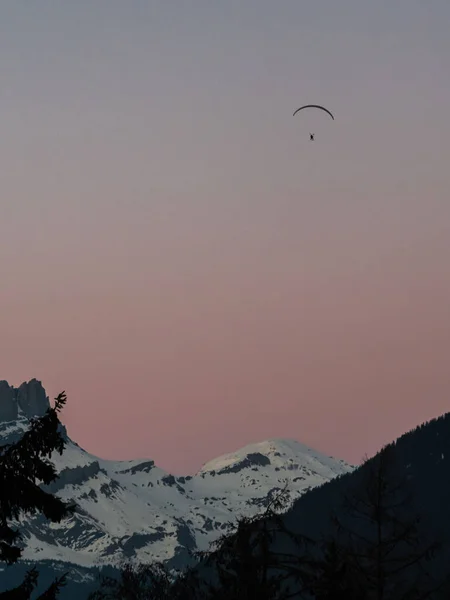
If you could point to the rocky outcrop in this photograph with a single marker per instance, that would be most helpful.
(32, 399)
(29, 397)
(140, 540)
(74, 476)
(144, 467)
(8, 403)
(252, 460)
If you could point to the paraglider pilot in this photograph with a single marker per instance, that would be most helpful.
(311, 135)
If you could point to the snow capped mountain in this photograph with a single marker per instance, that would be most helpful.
(135, 511)
(279, 453)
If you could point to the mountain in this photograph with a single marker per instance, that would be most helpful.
(420, 463)
(135, 511)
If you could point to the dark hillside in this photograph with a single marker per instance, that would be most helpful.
(414, 474)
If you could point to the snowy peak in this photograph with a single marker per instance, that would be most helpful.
(133, 510)
(280, 455)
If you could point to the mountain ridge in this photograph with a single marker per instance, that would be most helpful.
(133, 510)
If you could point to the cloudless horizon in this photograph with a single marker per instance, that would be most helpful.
(180, 258)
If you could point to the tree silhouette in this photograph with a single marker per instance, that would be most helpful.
(24, 465)
(248, 565)
(378, 552)
(148, 582)
(240, 566)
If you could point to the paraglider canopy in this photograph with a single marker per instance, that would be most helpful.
(314, 106)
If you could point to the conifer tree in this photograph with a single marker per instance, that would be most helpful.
(248, 565)
(148, 582)
(24, 466)
(378, 552)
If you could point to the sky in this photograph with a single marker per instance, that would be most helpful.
(177, 255)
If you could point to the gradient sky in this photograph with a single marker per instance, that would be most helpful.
(176, 254)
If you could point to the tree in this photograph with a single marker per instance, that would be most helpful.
(378, 552)
(24, 465)
(147, 582)
(247, 564)
(139, 582)
(240, 566)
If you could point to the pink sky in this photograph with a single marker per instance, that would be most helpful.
(178, 257)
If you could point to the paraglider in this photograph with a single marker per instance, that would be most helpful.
(311, 135)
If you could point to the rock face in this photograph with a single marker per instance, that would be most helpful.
(32, 399)
(8, 403)
(29, 397)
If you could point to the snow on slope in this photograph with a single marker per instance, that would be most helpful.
(135, 511)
